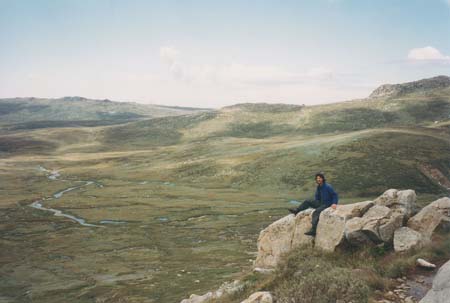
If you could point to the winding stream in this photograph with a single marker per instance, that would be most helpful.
(53, 175)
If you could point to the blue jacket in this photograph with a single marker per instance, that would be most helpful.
(326, 194)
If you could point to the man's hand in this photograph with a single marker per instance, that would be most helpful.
(334, 206)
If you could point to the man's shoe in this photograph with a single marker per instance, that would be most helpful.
(293, 210)
(310, 233)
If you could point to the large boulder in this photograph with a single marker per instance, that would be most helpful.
(376, 226)
(281, 236)
(406, 238)
(331, 228)
(440, 291)
(260, 297)
(403, 201)
(302, 225)
(432, 216)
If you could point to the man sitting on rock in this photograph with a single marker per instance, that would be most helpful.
(325, 197)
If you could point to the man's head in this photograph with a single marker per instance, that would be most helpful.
(320, 178)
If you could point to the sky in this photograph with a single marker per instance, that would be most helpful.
(218, 53)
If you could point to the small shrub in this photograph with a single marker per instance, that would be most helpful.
(309, 275)
(323, 284)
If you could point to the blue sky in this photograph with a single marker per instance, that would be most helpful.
(216, 53)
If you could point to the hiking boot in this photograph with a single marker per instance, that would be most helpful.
(293, 210)
(312, 232)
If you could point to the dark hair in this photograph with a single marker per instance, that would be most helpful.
(320, 175)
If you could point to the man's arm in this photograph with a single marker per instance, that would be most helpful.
(334, 197)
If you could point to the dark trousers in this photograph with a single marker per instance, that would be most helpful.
(319, 206)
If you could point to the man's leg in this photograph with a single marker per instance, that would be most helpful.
(305, 205)
(315, 219)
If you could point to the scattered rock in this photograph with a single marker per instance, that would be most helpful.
(260, 297)
(424, 263)
(225, 288)
(390, 296)
(409, 300)
(198, 299)
(264, 270)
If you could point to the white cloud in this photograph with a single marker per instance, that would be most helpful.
(429, 54)
(171, 57)
(169, 54)
(240, 74)
(206, 83)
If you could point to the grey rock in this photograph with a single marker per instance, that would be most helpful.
(331, 228)
(376, 226)
(260, 297)
(403, 201)
(406, 238)
(425, 263)
(432, 216)
(420, 86)
(440, 291)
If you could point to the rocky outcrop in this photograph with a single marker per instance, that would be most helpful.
(421, 86)
(440, 291)
(331, 228)
(388, 219)
(376, 226)
(368, 222)
(403, 201)
(260, 297)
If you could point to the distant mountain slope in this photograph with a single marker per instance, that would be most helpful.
(363, 145)
(26, 113)
(263, 121)
(420, 86)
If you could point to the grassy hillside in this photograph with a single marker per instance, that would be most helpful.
(197, 187)
(31, 113)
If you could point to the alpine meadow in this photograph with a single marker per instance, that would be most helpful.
(107, 201)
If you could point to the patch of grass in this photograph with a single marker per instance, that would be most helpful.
(266, 107)
(257, 130)
(196, 170)
(349, 119)
(384, 161)
(58, 124)
(433, 110)
(22, 145)
(153, 132)
(309, 275)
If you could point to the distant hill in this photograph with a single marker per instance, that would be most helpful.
(400, 140)
(29, 113)
(420, 86)
(264, 107)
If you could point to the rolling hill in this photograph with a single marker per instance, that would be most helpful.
(197, 186)
(32, 113)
